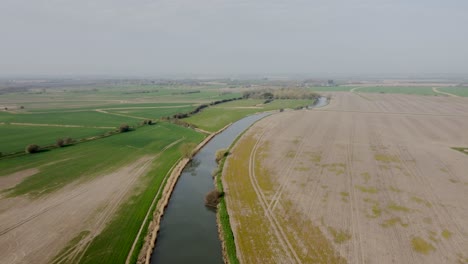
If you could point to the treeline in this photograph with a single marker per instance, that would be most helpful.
(187, 92)
(199, 108)
(281, 93)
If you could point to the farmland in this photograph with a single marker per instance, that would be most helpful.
(85, 202)
(103, 178)
(217, 117)
(366, 179)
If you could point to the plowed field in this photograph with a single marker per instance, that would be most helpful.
(370, 178)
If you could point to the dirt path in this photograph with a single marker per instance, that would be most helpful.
(116, 114)
(444, 93)
(59, 217)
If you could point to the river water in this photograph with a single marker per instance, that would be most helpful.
(188, 232)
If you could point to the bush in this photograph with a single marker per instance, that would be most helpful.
(68, 141)
(60, 142)
(33, 148)
(213, 197)
(281, 110)
(220, 154)
(124, 128)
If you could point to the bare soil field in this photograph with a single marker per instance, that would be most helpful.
(370, 178)
(39, 230)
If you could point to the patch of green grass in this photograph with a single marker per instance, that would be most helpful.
(446, 234)
(339, 236)
(421, 201)
(395, 207)
(84, 118)
(376, 211)
(366, 176)
(395, 189)
(421, 246)
(386, 158)
(364, 189)
(344, 194)
(153, 113)
(393, 221)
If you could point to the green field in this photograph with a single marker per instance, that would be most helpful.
(215, 118)
(13, 138)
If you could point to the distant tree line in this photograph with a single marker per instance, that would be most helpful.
(201, 107)
(281, 93)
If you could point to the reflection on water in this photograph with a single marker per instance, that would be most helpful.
(192, 166)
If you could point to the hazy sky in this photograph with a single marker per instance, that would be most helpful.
(156, 37)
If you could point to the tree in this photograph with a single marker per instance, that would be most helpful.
(124, 128)
(33, 148)
(213, 197)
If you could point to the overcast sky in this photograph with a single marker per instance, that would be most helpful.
(224, 37)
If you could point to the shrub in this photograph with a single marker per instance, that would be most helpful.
(33, 148)
(281, 110)
(220, 154)
(60, 142)
(213, 197)
(68, 140)
(124, 128)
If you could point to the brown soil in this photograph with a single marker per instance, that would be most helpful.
(13, 179)
(34, 231)
(373, 175)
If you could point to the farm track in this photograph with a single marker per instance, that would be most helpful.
(271, 217)
(444, 93)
